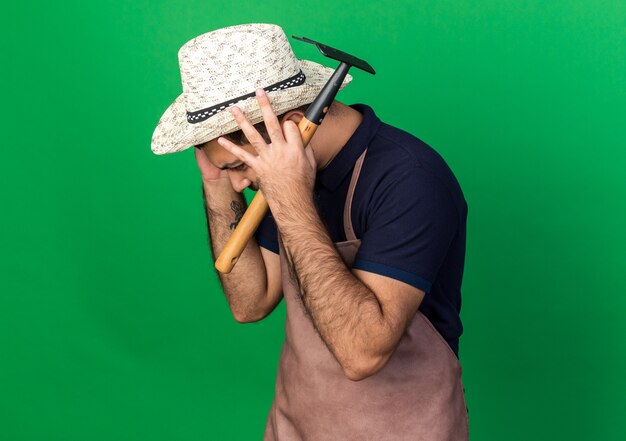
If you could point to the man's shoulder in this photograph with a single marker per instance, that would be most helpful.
(397, 149)
(399, 161)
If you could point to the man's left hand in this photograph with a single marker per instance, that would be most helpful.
(285, 170)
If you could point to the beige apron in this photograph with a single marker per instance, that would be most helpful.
(417, 395)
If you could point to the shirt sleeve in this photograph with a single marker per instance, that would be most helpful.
(266, 235)
(409, 225)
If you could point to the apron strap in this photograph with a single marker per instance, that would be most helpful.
(347, 209)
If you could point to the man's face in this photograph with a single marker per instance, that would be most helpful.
(238, 172)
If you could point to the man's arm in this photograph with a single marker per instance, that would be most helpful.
(253, 287)
(361, 316)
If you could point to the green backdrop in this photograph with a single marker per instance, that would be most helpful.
(112, 323)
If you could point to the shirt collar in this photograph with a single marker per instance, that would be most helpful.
(344, 161)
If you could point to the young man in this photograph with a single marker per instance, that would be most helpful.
(365, 241)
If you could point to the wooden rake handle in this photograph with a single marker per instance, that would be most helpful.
(253, 216)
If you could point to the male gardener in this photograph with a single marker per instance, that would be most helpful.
(365, 241)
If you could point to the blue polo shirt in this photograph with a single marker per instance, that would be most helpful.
(408, 210)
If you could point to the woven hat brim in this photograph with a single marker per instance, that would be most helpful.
(174, 134)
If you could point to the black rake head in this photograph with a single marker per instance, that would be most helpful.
(338, 55)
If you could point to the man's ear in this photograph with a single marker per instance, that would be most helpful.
(293, 115)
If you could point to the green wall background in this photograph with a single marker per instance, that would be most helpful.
(112, 323)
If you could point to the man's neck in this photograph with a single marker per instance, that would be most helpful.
(334, 133)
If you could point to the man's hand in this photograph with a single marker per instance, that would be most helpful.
(285, 170)
(208, 171)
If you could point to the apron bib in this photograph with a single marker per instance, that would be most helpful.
(417, 395)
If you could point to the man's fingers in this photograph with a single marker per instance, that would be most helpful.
(240, 153)
(292, 133)
(311, 157)
(201, 158)
(248, 129)
(271, 121)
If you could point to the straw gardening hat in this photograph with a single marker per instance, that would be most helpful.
(225, 67)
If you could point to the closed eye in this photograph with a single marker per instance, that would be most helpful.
(240, 167)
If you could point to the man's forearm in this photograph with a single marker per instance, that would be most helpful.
(245, 286)
(345, 312)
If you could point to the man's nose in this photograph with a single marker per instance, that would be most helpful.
(238, 181)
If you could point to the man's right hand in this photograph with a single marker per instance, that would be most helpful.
(208, 171)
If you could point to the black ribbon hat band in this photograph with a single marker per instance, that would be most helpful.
(206, 113)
